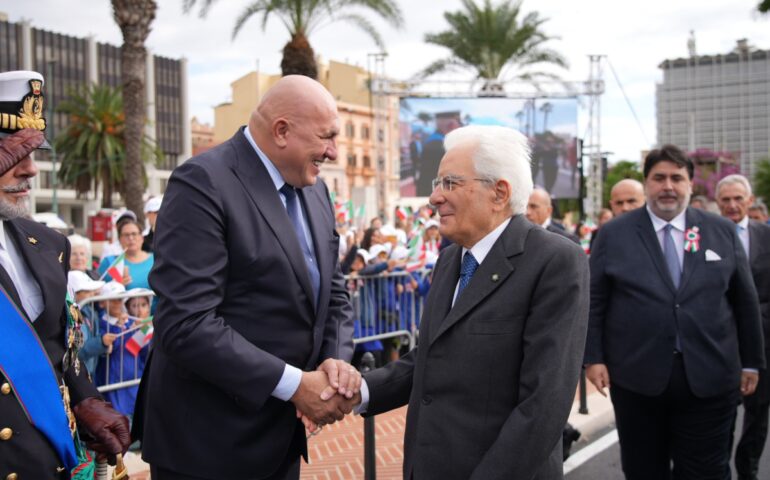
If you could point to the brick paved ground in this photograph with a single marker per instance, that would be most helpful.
(338, 451)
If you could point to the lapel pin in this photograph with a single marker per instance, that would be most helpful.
(61, 257)
(32, 240)
(495, 277)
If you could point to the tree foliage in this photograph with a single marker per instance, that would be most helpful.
(302, 17)
(621, 170)
(762, 181)
(494, 40)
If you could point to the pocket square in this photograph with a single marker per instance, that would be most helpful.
(712, 256)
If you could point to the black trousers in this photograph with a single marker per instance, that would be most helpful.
(754, 432)
(288, 471)
(674, 427)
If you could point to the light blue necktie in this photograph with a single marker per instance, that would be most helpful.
(672, 259)
(467, 269)
(292, 208)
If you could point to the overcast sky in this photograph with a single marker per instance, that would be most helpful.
(636, 37)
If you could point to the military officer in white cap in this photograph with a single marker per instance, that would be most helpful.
(44, 390)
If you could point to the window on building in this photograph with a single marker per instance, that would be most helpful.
(367, 162)
(381, 135)
(365, 132)
(352, 159)
(350, 130)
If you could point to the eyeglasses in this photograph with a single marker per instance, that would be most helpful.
(450, 182)
(130, 235)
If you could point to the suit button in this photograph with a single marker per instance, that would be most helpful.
(5, 389)
(11, 476)
(426, 400)
(6, 434)
(676, 306)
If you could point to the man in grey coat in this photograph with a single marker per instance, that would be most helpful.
(492, 381)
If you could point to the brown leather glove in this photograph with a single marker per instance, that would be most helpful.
(18, 146)
(106, 430)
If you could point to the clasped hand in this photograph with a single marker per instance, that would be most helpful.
(328, 394)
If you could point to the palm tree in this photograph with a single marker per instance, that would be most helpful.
(302, 17)
(491, 40)
(92, 146)
(764, 6)
(134, 18)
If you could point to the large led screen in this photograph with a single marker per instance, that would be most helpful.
(550, 124)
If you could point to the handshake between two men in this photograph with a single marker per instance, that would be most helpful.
(327, 394)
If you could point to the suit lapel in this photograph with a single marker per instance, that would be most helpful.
(755, 244)
(10, 288)
(646, 232)
(39, 264)
(493, 272)
(259, 186)
(314, 204)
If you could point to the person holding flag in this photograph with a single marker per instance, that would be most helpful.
(132, 267)
(45, 393)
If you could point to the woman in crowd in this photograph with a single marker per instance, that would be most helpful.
(138, 263)
(81, 255)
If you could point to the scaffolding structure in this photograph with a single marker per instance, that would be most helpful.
(383, 88)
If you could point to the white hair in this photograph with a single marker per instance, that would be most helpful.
(81, 241)
(500, 153)
(733, 179)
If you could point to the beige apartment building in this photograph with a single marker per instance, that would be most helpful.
(367, 166)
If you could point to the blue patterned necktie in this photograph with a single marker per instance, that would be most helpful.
(669, 252)
(292, 208)
(467, 269)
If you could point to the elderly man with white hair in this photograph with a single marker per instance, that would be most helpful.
(491, 384)
(734, 198)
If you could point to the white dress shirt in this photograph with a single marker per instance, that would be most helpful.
(480, 251)
(26, 285)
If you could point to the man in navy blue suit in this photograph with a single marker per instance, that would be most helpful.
(674, 328)
(252, 302)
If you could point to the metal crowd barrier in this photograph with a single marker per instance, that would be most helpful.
(101, 375)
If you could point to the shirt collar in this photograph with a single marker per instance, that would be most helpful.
(744, 223)
(483, 246)
(2, 235)
(275, 175)
(679, 222)
(546, 223)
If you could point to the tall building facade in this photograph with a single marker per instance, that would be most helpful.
(69, 62)
(718, 102)
(367, 166)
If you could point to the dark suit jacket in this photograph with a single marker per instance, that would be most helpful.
(492, 382)
(28, 453)
(759, 260)
(234, 306)
(561, 231)
(635, 308)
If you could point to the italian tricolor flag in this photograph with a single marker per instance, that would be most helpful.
(115, 270)
(141, 338)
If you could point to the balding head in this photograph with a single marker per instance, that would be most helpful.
(296, 126)
(626, 195)
(539, 207)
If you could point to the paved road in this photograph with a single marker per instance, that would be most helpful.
(606, 465)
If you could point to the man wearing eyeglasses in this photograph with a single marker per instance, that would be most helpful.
(491, 384)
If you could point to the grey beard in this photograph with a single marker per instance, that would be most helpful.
(9, 211)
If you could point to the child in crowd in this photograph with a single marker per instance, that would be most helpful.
(94, 344)
(120, 365)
